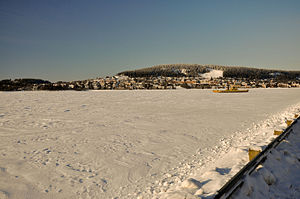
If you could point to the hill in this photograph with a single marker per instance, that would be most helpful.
(193, 70)
(21, 84)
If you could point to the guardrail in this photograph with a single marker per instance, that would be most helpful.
(237, 180)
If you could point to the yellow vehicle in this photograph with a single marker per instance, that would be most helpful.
(231, 89)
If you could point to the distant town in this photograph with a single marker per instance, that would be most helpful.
(133, 83)
(169, 77)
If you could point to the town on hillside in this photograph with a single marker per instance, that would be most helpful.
(170, 76)
(122, 82)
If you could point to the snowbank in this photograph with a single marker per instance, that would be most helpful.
(278, 176)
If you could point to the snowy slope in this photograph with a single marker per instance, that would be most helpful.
(129, 144)
(212, 74)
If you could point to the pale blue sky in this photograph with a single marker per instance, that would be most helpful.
(71, 40)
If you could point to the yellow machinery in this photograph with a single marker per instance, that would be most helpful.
(231, 89)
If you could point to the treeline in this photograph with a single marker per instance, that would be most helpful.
(22, 84)
(255, 73)
(193, 70)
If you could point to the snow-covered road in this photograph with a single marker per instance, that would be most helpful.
(125, 144)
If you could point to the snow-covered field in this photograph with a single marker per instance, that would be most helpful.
(130, 144)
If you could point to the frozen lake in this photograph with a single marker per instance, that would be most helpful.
(108, 144)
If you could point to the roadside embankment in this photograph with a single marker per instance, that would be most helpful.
(278, 176)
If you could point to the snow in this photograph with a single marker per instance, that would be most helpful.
(278, 176)
(132, 144)
(212, 74)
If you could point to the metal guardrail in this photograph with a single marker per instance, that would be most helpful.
(237, 180)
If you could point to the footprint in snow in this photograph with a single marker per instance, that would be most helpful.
(223, 171)
(2, 169)
(3, 194)
(45, 126)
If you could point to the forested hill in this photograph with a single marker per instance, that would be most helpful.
(21, 84)
(193, 70)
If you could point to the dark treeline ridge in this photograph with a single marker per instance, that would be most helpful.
(22, 84)
(193, 70)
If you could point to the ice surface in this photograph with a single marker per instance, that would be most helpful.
(130, 144)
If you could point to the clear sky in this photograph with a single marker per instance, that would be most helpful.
(81, 39)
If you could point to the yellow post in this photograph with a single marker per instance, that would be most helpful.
(276, 132)
(296, 116)
(289, 122)
(253, 153)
